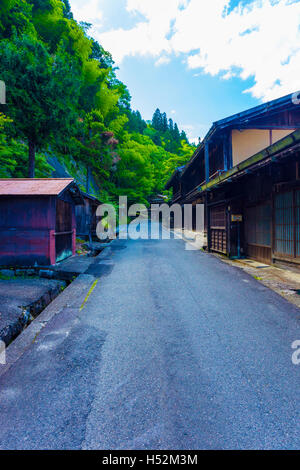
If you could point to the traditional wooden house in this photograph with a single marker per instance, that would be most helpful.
(157, 199)
(254, 208)
(174, 183)
(86, 218)
(38, 225)
(246, 172)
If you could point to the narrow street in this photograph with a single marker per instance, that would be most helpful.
(172, 350)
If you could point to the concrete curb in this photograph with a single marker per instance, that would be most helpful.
(30, 311)
(72, 297)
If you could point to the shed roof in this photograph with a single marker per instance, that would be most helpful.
(33, 186)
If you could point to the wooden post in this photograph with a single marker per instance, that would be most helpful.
(52, 249)
(272, 224)
(207, 213)
(73, 231)
(230, 161)
(228, 229)
(225, 152)
(206, 153)
(74, 241)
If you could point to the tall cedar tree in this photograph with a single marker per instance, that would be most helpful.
(42, 91)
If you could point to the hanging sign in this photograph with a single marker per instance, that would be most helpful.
(236, 218)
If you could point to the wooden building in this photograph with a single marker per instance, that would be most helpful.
(86, 218)
(253, 209)
(246, 172)
(157, 199)
(175, 184)
(38, 225)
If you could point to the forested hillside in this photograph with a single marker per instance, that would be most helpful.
(66, 104)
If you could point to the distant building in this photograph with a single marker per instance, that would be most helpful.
(86, 218)
(157, 199)
(38, 224)
(176, 184)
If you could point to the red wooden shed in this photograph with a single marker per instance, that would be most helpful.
(38, 224)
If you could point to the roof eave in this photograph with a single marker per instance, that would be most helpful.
(168, 185)
(252, 112)
(89, 196)
(74, 191)
(235, 118)
(279, 146)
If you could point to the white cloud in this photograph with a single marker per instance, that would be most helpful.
(147, 37)
(190, 132)
(163, 60)
(193, 132)
(88, 11)
(261, 40)
(122, 43)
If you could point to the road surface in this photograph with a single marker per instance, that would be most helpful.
(174, 349)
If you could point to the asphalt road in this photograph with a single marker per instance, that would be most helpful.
(173, 350)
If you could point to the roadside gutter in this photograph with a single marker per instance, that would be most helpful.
(71, 299)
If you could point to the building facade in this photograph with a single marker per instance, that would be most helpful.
(246, 172)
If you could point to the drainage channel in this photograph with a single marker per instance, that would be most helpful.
(26, 292)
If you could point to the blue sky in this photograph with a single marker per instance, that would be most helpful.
(196, 60)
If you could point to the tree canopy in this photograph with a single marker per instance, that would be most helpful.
(64, 99)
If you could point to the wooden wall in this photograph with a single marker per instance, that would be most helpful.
(29, 228)
(25, 227)
(248, 142)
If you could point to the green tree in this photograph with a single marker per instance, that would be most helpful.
(14, 154)
(164, 119)
(15, 16)
(64, 97)
(67, 9)
(134, 176)
(42, 91)
(157, 120)
(176, 133)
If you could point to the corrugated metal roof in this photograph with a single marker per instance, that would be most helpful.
(33, 187)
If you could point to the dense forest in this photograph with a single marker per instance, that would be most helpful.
(65, 104)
